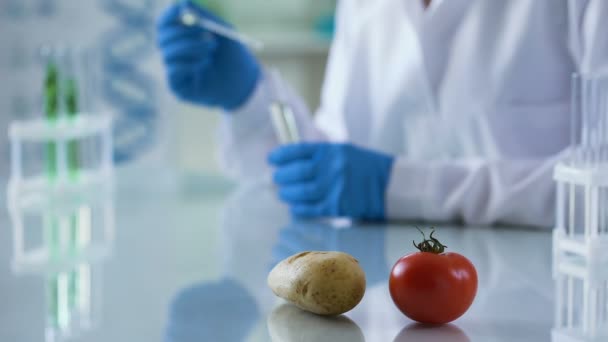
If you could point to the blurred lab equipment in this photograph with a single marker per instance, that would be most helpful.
(115, 40)
(66, 149)
(332, 180)
(589, 118)
(580, 238)
(325, 25)
(210, 70)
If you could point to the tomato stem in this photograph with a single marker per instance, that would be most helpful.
(430, 245)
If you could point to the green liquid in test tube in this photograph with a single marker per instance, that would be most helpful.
(51, 111)
(73, 161)
(62, 233)
(62, 289)
(71, 102)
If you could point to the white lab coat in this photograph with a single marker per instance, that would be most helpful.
(472, 96)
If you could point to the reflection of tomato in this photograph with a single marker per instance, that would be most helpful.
(416, 332)
(431, 286)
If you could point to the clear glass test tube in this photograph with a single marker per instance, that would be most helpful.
(575, 118)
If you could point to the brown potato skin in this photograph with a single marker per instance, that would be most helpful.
(324, 283)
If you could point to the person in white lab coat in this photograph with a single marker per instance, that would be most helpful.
(443, 110)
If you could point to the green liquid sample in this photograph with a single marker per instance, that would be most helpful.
(71, 101)
(51, 111)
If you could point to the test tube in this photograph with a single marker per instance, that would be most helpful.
(284, 123)
(71, 102)
(51, 98)
(575, 119)
(602, 120)
(282, 116)
(585, 119)
(592, 124)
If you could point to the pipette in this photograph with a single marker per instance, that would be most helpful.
(190, 18)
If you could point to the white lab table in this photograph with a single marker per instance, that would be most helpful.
(192, 267)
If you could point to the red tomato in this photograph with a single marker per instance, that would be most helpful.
(431, 286)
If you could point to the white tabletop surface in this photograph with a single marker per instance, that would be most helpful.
(192, 267)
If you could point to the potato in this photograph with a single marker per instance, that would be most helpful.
(325, 283)
(287, 323)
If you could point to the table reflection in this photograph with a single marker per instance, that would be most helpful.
(415, 332)
(212, 311)
(287, 323)
(65, 242)
(514, 301)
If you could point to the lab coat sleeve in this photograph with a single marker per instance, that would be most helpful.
(473, 192)
(247, 136)
(498, 191)
(591, 38)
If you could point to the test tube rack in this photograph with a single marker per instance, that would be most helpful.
(580, 253)
(60, 133)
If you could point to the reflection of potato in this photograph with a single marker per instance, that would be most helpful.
(287, 323)
(325, 283)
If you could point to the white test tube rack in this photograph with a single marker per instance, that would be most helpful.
(60, 133)
(580, 253)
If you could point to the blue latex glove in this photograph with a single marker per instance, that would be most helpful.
(202, 67)
(332, 180)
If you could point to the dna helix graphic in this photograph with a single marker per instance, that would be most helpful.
(128, 89)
